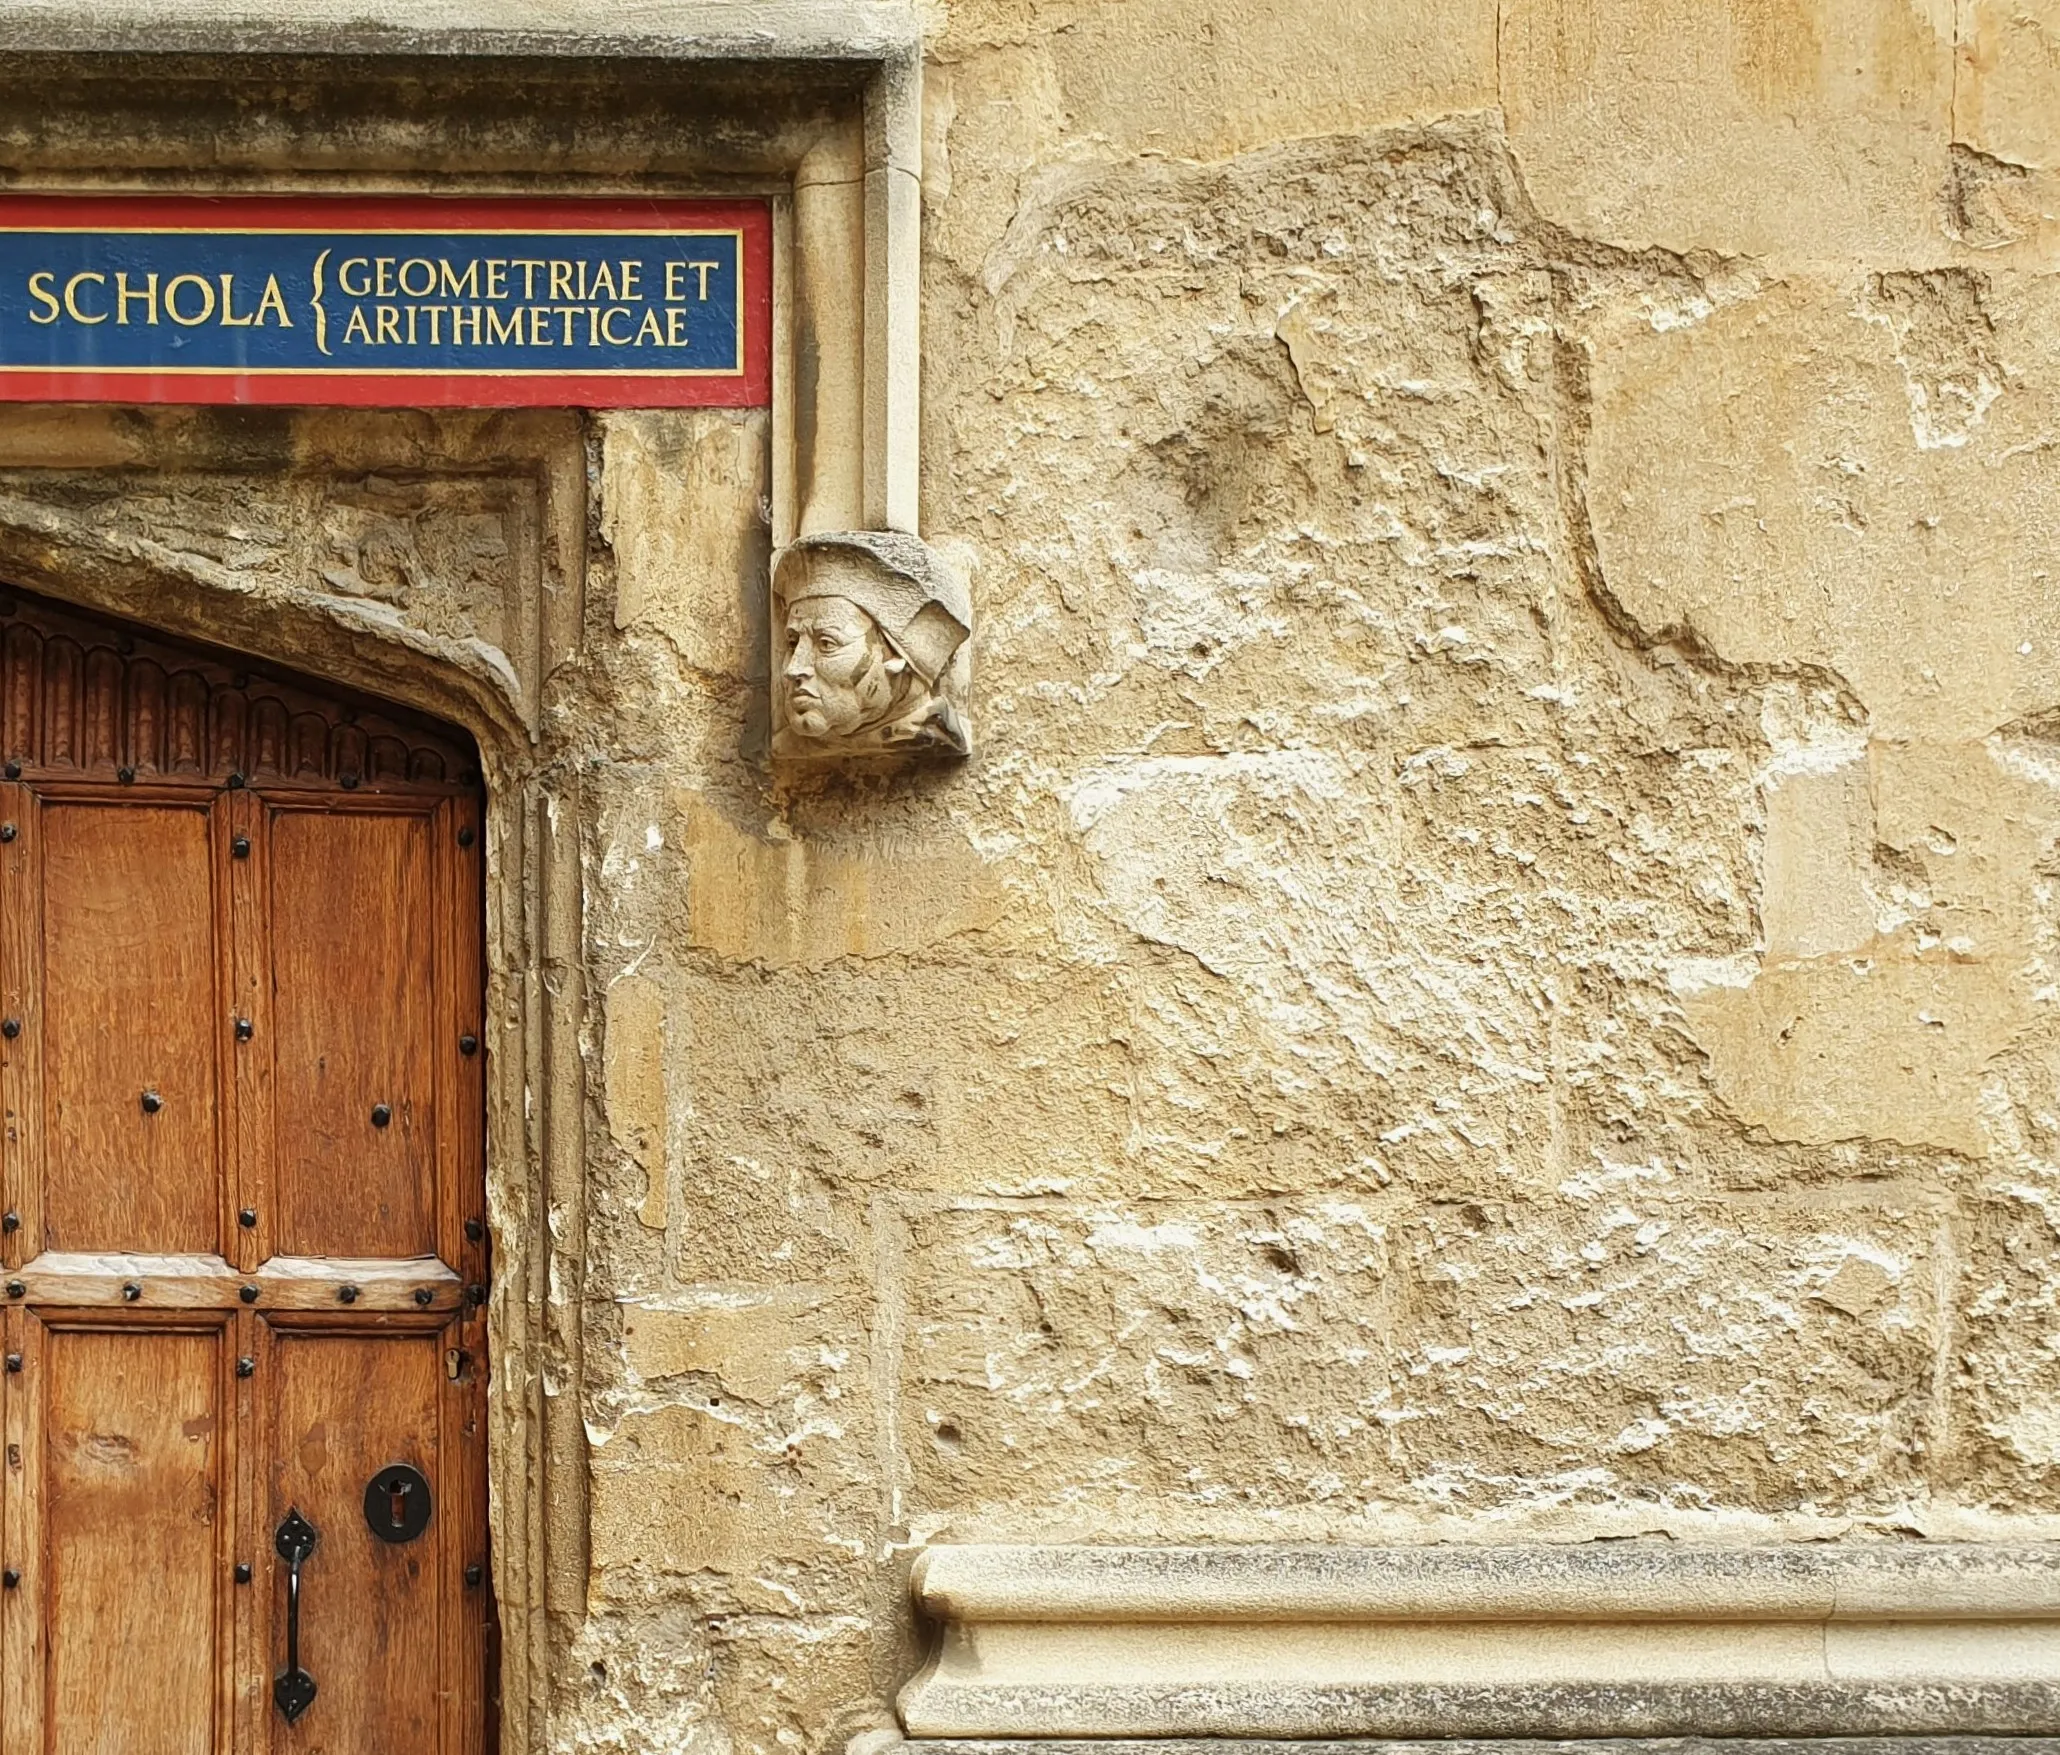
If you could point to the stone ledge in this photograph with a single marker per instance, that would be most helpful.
(1601, 1581)
(1605, 1640)
(1480, 1746)
(741, 30)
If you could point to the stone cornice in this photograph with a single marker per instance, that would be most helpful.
(860, 31)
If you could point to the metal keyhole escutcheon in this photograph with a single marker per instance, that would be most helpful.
(397, 1503)
(293, 1689)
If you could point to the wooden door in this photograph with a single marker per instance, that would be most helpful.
(242, 1170)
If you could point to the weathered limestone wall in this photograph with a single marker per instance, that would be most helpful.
(1492, 979)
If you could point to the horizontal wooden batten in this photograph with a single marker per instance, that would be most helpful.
(93, 1281)
(1605, 1640)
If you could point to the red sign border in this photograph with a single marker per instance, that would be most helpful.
(458, 215)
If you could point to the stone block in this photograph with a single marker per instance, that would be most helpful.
(1799, 130)
(1869, 469)
(753, 1345)
(679, 1490)
(1902, 848)
(709, 1497)
(1287, 1364)
(2004, 198)
(680, 497)
(2006, 1359)
(639, 1105)
(2006, 101)
(760, 893)
(1210, 79)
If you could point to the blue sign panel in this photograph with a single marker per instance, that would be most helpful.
(485, 302)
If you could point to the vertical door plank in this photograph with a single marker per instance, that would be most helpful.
(129, 997)
(250, 1659)
(444, 1026)
(463, 985)
(461, 1119)
(346, 1405)
(353, 960)
(21, 1542)
(134, 1493)
(228, 1526)
(243, 852)
(470, 1607)
(21, 994)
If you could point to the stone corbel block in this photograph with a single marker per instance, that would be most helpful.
(871, 655)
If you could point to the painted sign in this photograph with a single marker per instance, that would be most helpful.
(408, 303)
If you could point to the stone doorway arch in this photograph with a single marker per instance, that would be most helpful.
(437, 564)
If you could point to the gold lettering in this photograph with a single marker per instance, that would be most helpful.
(274, 301)
(496, 278)
(650, 327)
(428, 286)
(44, 296)
(608, 326)
(629, 292)
(382, 276)
(675, 290)
(675, 327)
(124, 298)
(229, 318)
(561, 281)
(603, 276)
(538, 315)
(460, 286)
(529, 269)
(389, 321)
(571, 315)
(499, 333)
(435, 324)
(364, 268)
(357, 329)
(71, 298)
(459, 318)
(207, 300)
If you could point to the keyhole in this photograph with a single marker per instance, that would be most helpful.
(398, 1503)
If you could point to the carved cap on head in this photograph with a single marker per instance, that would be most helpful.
(921, 604)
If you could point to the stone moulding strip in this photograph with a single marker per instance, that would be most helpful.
(1606, 1581)
(1484, 1746)
(739, 30)
(1606, 1640)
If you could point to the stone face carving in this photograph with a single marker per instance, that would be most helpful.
(869, 650)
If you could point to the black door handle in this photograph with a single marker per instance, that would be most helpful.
(293, 1689)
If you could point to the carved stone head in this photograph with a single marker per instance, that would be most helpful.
(869, 637)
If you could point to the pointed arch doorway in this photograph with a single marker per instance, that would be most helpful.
(242, 1166)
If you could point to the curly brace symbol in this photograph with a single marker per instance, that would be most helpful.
(321, 316)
